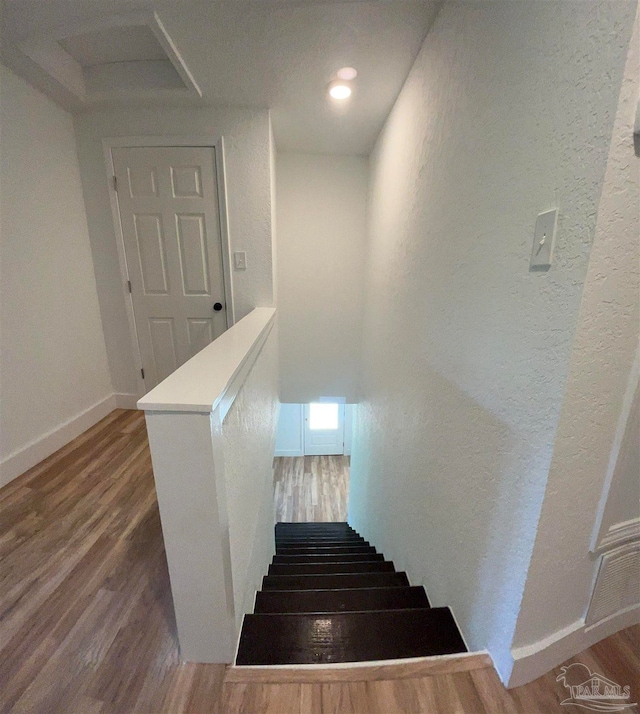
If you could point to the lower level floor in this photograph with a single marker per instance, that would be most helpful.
(86, 617)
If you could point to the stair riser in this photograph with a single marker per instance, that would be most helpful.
(329, 543)
(333, 582)
(336, 558)
(331, 568)
(324, 551)
(314, 527)
(317, 534)
(348, 637)
(302, 539)
(283, 601)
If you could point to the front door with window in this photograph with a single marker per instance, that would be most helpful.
(169, 214)
(323, 429)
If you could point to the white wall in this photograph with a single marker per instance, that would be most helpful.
(247, 159)
(602, 377)
(53, 365)
(466, 352)
(321, 224)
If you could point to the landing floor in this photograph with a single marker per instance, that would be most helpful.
(87, 625)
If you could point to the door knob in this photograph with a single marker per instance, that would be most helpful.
(217, 306)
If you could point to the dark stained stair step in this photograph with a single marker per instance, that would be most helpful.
(341, 600)
(347, 637)
(324, 550)
(316, 532)
(322, 539)
(341, 580)
(330, 568)
(312, 524)
(314, 528)
(322, 544)
(333, 558)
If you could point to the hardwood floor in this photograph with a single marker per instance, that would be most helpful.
(86, 619)
(311, 488)
(474, 692)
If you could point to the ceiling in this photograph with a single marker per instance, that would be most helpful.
(276, 54)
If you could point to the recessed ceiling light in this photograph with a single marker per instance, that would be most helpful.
(347, 73)
(339, 90)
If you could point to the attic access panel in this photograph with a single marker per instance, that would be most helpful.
(132, 53)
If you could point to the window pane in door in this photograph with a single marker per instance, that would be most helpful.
(323, 416)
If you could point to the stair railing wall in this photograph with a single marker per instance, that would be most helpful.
(212, 427)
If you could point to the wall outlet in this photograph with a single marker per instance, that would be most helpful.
(544, 239)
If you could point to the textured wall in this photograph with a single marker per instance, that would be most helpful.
(53, 359)
(508, 111)
(604, 349)
(246, 134)
(321, 250)
(249, 435)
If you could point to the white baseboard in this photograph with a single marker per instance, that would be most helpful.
(126, 401)
(532, 661)
(39, 449)
(290, 452)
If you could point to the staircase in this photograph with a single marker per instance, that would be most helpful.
(329, 597)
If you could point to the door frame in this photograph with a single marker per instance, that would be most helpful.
(134, 142)
(306, 409)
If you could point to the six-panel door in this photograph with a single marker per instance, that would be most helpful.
(169, 213)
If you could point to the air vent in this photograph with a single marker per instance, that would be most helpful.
(617, 585)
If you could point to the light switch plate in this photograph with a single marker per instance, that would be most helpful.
(544, 239)
(240, 260)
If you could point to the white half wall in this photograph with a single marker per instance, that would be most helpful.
(53, 366)
(598, 406)
(466, 353)
(248, 169)
(321, 228)
(248, 438)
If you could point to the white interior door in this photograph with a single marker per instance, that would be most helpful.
(323, 429)
(169, 213)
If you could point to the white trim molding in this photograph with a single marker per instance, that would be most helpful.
(126, 401)
(620, 534)
(41, 448)
(534, 660)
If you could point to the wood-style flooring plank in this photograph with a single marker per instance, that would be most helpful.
(311, 488)
(86, 617)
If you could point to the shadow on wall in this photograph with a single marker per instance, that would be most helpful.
(436, 487)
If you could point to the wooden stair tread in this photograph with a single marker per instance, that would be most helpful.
(323, 550)
(341, 580)
(314, 528)
(346, 537)
(331, 558)
(376, 566)
(330, 597)
(347, 637)
(357, 599)
(329, 543)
